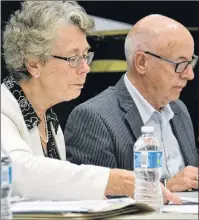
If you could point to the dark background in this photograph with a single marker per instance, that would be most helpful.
(112, 46)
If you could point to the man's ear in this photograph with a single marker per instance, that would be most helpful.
(33, 66)
(140, 62)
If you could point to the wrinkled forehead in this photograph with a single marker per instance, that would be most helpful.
(176, 44)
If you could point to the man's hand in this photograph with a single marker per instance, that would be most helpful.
(184, 180)
(168, 196)
(122, 182)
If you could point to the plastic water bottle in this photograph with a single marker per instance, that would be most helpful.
(148, 169)
(6, 175)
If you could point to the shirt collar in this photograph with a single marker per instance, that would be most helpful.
(30, 117)
(145, 109)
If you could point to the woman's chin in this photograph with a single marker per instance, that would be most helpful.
(73, 95)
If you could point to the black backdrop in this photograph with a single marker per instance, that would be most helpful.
(185, 12)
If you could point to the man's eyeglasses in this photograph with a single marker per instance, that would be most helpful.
(76, 60)
(179, 66)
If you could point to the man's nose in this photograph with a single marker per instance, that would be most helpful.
(188, 73)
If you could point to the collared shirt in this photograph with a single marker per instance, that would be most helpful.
(172, 159)
(31, 118)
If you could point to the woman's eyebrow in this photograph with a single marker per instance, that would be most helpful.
(77, 50)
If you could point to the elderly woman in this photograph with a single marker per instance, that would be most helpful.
(47, 55)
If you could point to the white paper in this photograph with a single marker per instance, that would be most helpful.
(189, 206)
(68, 206)
(189, 199)
(188, 209)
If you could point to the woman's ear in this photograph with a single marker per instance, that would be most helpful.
(33, 66)
(140, 61)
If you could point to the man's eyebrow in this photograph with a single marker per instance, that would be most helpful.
(184, 58)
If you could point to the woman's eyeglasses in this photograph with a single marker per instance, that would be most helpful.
(75, 61)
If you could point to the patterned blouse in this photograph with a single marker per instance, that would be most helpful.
(30, 117)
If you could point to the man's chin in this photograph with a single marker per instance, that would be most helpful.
(175, 97)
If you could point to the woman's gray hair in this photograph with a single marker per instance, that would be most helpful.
(31, 31)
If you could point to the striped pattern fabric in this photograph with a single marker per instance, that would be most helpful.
(103, 130)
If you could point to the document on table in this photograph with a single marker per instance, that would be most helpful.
(188, 209)
(78, 209)
(69, 206)
(189, 206)
(188, 200)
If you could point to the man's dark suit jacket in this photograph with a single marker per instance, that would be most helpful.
(103, 130)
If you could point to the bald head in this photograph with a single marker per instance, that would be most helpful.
(156, 24)
(155, 33)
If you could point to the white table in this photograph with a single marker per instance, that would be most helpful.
(155, 215)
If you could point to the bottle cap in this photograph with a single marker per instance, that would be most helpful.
(147, 129)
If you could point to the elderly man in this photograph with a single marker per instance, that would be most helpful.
(102, 131)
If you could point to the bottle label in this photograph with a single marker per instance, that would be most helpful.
(147, 159)
(10, 174)
(6, 175)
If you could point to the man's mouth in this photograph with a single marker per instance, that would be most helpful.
(79, 85)
(178, 87)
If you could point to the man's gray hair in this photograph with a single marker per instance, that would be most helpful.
(129, 49)
(31, 31)
(135, 42)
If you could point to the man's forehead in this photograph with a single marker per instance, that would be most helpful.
(176, 45)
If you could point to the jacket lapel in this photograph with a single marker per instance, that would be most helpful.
(179, 122)
(126, 102)
(181, 132)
